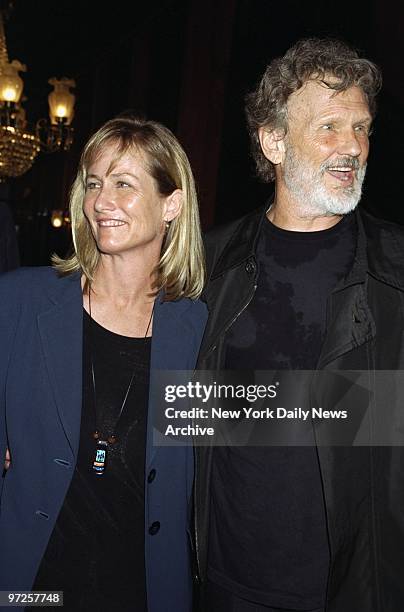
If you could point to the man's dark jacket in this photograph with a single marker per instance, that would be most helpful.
(363, 486)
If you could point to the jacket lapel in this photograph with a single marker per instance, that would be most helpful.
(349, 321)
(61, 333)
(171, 350)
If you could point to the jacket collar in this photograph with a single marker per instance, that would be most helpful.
(377, 250)
(377, 253)
(60, 329)
(358, 270)
(243, 242)
(385, 252)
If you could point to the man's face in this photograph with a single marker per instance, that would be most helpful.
(325, 149)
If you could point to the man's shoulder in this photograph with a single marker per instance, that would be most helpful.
(239, 234)
(385, 248)
(218, 236)
(382, 232)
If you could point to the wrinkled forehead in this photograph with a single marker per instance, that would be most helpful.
(317, 96)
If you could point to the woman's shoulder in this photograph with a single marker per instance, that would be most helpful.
(30, 282)
(26, 278)
(29, 272)
(185, 306)
(191, 313)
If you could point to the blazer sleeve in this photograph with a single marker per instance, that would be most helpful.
(10, 306)
(9, 255)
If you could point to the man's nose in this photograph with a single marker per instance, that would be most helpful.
(350, 144)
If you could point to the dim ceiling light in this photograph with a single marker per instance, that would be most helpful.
(57, 218)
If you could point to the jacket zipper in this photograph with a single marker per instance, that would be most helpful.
(250, 297)
(197, 555)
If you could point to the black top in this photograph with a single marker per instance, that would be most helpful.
(96, 551)
(268, 536)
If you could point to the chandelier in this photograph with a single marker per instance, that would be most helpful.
(19, 145)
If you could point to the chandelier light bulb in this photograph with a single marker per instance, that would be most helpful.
(11, 84)
(61, 100)
(9, 94)
(19, 143)
(61, 111)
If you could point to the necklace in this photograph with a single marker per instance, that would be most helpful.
(102, 444)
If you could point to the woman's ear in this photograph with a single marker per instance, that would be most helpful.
(173, 205)
(272, 143)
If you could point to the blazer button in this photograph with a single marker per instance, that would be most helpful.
(154, 528)
(42, 514)
(250, 267)
(151, 476)
(62, 462)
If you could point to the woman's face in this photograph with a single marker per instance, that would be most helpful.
(123, 206)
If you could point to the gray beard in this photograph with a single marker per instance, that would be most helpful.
(306, 184)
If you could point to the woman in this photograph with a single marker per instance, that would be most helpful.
(88, 505)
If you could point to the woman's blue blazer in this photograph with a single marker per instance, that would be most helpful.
(41, 344)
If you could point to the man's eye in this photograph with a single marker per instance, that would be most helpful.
(362, 129)
(327, 126)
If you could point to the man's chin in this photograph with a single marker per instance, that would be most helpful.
(337, 203)
(340, 208)
(328, 208)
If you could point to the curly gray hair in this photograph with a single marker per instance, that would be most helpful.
(310, 58)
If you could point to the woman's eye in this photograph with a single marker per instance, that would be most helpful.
(91, 185)
(122, 184)
(327, 126)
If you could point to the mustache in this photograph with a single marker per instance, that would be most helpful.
(341, 162)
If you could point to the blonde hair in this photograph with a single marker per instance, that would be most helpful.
(181, 268)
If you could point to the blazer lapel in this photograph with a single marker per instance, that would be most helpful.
(61, 333)
(171, 350)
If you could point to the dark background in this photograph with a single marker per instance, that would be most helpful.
(188, 64)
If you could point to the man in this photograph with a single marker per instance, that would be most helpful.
(303, 284)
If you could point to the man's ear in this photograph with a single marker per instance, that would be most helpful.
(173, 205)
(272, 143)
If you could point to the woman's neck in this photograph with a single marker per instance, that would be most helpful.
(121, 297)
(123, 281)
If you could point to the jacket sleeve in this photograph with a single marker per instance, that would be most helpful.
(9, 315)
(9, 255)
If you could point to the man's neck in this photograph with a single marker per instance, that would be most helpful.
(285, 213)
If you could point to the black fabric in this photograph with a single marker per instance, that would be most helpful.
(96, 551)
(284, 325)
(363, 489)
(9, 255)
(274, 549)
(219, 599)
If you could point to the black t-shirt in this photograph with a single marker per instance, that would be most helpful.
(96, 550)
(268, 535)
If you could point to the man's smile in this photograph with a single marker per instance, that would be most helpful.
(345, 175)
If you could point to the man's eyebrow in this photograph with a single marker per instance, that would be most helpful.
(366, 119)
(334, 116)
